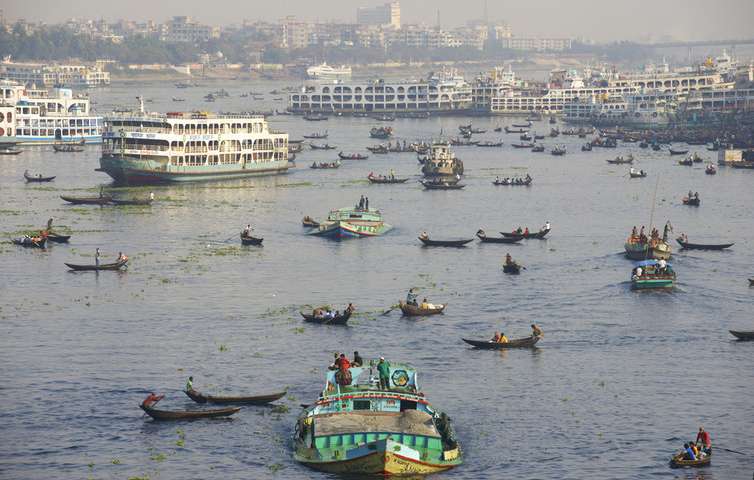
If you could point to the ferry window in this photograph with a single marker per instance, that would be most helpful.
(362, 405)
(10, 117)
(406, 405)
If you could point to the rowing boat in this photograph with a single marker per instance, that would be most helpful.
(198, 397)
(445, 243)
(38, 178)
(57, 238)
(29, 242)
(102, 266)
(415, 311)
(484, 238)
(702, 246)
(87, 200)
(249, 240)
(188, 414)
(434, 185)
(741, 335)
(513, 268)
(309, 222)
(540, 234)
(527, 342)
(341, 319)
(374, 179)
(679, 461)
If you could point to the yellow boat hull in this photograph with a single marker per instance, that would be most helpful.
(379, 463)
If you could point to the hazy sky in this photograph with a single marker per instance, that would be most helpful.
(598, 19)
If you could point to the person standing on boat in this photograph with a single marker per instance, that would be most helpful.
(411, 297)
(96, 257)
(151, 400)
(357, 360)
(366, 204)
(703, 437)
(190, 384)
(361, 203)
(383, 367)
(547, 227)
(247, 230)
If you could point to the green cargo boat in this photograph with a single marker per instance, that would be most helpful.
(359, 427)
(648, 274)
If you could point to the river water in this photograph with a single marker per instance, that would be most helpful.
(620, 381)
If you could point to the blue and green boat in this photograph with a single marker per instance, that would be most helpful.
(652, 276)
(361, 428)
(352, 222)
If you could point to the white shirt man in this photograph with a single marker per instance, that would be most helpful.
(662, 264)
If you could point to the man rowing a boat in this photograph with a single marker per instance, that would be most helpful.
(536, 331)
(704, 437)
(411, 297)
(190, 384)
(151, 400)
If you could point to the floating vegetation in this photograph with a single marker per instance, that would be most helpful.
(115, 461)
(293, 185)
(280, 409)
(298, 330)
(158, 457)
(223, 348)
(275, 467)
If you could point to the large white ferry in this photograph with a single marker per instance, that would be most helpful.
(328, 72)
(148, 148)
(39, 116)
(444, 92)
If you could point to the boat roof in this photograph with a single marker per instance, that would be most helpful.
(403, 376)
(645, 263)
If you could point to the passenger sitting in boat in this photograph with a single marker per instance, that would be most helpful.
(503, 338)
(343, 375)
(350, 308)
(334, 364)
(496, 337)
(690, 195)
(424, 236)
(662, 266)
(121, 257)
(424, 305)
(696, 195)
(689, 452)
(190, 384)
(508, 259)
(151, 399)
(519, 230)
(247, 230)
(693, 447)
(357, 360)
(547, 227)
(536, 331)
(637, 273)
(526, 232)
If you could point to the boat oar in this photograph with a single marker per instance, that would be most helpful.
(731, 451)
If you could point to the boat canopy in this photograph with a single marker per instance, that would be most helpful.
(646, 263)
(401, 376)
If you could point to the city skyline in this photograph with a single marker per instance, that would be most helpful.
(645, 21)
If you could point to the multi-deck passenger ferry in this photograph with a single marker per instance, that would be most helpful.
(38, 116)
(360, 427)
(180, 147)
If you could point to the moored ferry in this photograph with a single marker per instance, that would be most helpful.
(441, 162)
(181, 147)
(38, 116)
(360, 427)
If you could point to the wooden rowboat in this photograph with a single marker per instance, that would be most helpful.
(249, 240)
(694, 202)
(527, 342)
(87, 200)
(702, 246)
(678, 461)
(38, 178)
(442, 185)
(341, 319)
(309, 222)
(484, 238)
(414, 311)
(29, 242)
(540, 234)
(513, 268)
(741, 335)
(57, 238)
(374, 179)
(102, 266)
(445, 243)
(198, 397)
(188, 414)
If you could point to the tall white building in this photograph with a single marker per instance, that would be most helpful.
(387, 14)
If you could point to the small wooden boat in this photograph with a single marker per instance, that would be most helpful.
(523, 145)
(514, 182)
(540, 234)
(742, 335)
(444, 243)
(679, 461)
(10, 151)
(710, 170)
(677, 152)
(621, 160)
(38, 178)
(639, 174)
(309, 222)
(381, 179)
(198, 397)
(558, 151)
(692, 201)
(131, 201)
(434, 185)
(30, 242)
(325, 166)
(527, 342)
(522, 125)
(484, 238)
(415, 311)
(325, 146)
(57, 238)
(512, 268)
(316, 136)
(516, 130)
(104, 200)
(702, 246)
(249, 240)
(378, 149)
(538, 148)
(352, 156)
(489, 144)
(188, 414)
(67, 148)
(340, 319)
(101, 266)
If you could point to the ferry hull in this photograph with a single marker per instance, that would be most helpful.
(134, 171)
(651, 284)
(345, 231)
(383, 457)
